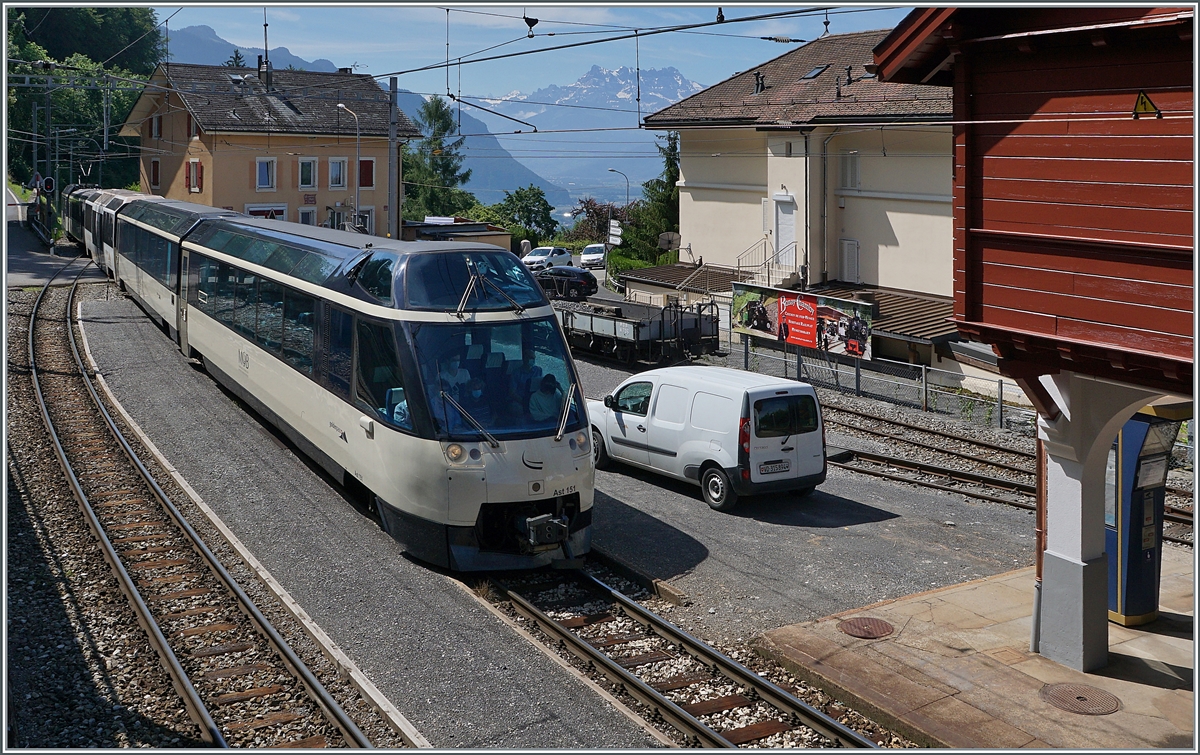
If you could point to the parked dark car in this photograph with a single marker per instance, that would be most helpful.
(561, 282)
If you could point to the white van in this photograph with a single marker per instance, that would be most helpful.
(733, 433)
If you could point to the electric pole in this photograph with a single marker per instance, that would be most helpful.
(393, 163)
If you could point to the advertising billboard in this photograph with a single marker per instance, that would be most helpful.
(838, 326)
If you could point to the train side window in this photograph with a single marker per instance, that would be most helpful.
(379, 384)
(226, 278)
(376, 276)
(298, 315)
(269, 333)
(244, 302)
(340, 351)
(204, 294)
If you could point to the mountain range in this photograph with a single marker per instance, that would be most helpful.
(583, 129)
(602, 111)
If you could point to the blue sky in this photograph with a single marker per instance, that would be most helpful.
(383, 39)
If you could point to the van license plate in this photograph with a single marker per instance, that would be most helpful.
(774, 467)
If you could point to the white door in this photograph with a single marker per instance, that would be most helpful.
(785, 436)
(785, 231)
(849, 260)
(627, 423)
(665, 430)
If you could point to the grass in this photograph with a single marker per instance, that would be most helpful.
(22, 193)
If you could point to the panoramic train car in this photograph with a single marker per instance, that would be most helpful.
(74, 210)
(433, 375)
(99, 233)
(148, 233)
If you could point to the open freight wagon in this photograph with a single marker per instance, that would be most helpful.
(631, 332)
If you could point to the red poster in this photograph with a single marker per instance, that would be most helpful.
(798, 319)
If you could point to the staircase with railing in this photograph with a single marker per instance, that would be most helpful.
(767, 267)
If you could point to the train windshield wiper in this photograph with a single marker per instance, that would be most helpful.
(478, 279)
(562, 423)
(491, 439)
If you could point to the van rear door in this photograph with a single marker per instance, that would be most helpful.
(785, 434)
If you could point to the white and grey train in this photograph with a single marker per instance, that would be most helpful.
(434, 375)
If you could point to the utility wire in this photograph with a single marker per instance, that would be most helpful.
(139, 39)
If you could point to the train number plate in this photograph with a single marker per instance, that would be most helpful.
(774, 467)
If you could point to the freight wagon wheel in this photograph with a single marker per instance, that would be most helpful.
(599, 453)
(718, 492)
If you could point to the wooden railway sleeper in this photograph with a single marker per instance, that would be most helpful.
(332, 710)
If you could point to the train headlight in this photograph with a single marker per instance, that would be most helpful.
(579, 442)
(455, 452)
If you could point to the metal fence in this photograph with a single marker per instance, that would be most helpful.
(978, 401)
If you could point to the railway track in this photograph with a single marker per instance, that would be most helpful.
(957, 479)
(710, 699)
(236, 676)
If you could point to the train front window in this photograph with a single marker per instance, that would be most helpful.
(438, 281)
(511, 378)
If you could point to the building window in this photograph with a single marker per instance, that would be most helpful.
(337, 172)
(194, 176)
(268, 211)
(264, 174)
(192, 127)
(849, 177)
(366, 173)
(156, 127)
(155, 173)
(308, 173)
(307, 217)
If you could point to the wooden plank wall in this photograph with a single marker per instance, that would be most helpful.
(1077, 219)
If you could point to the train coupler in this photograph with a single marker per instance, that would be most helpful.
(543, 533)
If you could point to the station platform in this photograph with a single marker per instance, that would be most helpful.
(957, 671)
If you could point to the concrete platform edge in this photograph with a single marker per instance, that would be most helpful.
(659, 587)
(374, 697)
(847, 691)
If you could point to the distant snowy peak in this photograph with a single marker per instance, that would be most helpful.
(604, 88)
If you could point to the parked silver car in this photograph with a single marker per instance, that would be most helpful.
(546, 256)
(592, 256)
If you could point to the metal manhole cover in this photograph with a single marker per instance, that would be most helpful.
(1081, 698)
(866, 628)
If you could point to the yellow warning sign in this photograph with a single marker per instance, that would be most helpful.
(1144, 106)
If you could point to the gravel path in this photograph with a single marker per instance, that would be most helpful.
(456, 672)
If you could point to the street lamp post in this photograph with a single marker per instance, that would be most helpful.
(357, 161)
(614, 170)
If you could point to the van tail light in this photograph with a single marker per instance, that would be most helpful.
(821, 419)
(744, 435)
(745, 473)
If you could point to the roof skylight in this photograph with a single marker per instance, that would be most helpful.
(814, 73)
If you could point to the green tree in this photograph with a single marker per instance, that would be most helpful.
(433, 171)
(128, 38)
(236, 60)
(591, 220)
(529, 208)
(658, 211)
(75, 108)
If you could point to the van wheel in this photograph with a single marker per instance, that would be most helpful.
(718, 492)
(599, 453)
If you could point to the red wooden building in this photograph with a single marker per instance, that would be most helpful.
(1073, 220)
(1073, 245)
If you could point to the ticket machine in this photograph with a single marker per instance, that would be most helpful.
(1134, 497)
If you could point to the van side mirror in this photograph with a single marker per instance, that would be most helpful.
(608, 402)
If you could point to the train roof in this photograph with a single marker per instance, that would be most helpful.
(170, 216)
(311, 253)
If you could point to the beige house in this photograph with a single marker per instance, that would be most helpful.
(809, 172)
(268, 143)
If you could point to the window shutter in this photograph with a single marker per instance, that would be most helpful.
(366, 173)
(200, 176)
(187, 176)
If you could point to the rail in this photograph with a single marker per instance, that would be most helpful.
(686, 719)
(194, 702)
